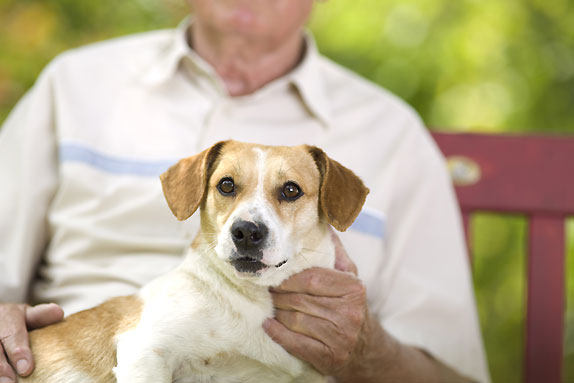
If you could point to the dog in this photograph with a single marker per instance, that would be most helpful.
(265, 215)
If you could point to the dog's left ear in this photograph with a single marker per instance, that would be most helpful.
(342, 193)
(184, 183)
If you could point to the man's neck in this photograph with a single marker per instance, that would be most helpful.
(245, 64)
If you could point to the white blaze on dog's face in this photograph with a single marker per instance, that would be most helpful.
(261, 206)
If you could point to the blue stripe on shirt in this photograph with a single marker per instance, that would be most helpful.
(110, 164)
(368, 222)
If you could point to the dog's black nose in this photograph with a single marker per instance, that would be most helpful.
(248, 235)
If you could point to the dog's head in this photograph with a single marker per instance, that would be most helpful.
(265, 209)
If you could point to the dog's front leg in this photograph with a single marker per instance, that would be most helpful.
(140, 361)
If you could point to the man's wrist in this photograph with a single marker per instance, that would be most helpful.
(379, 357)
(374, 354)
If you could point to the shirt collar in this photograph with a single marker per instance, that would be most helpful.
(165, 64)
(306, 77)
(309, 81)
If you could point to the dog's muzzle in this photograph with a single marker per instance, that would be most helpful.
(249, 239)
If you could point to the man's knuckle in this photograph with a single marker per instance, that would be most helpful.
(18, 350)
(7, 335)
(359, 289)
(351, 316)
(356, 317)
(313, 282)
(298, 320)
(340, 357)
(12, 333)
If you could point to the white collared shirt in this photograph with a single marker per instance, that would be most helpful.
(81, 153)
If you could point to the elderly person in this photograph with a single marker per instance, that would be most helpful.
(83, 217)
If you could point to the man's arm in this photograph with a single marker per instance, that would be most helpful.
(28, 171)
(322, 317)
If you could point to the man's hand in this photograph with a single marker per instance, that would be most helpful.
(321, 317)
(15, 321)
(320, 314)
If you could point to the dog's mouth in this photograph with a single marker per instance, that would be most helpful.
(248, 265)
(251, 265)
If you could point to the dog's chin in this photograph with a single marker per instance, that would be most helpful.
(248, 265)
(255, 270)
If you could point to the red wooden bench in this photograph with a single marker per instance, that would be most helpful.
(534, 176)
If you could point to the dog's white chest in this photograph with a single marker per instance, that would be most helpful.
(207, 337)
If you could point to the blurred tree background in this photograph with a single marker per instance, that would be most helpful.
(466, 65)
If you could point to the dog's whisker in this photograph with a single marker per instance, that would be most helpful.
(306, 260)
(211, 235)
(208, 243)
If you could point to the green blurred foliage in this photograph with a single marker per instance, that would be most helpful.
(32, 32)
(489, 65)
(568, 368)
(499, 270)
(486, 65)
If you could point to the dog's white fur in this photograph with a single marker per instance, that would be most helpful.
(203, 321)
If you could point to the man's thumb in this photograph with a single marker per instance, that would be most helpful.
(43, 315)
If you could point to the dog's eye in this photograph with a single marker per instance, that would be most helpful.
(291, 191)
(226, 186)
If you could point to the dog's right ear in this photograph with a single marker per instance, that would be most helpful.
(184, 184)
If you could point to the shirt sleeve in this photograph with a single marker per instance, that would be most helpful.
(430, 300)
(28, 170)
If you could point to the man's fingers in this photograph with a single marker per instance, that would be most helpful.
(43, 315)
(6, 373)
(299, 345)
(14, 339)
(16, 347)
(322, 330)
(15, 353)
(322, 307)
(320, 282)
(342, 260)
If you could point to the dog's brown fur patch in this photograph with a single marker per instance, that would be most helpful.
(85, 340)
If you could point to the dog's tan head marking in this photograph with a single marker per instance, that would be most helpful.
(265, 206)
(342, 193)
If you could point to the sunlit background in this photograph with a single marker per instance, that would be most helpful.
(466, 65)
